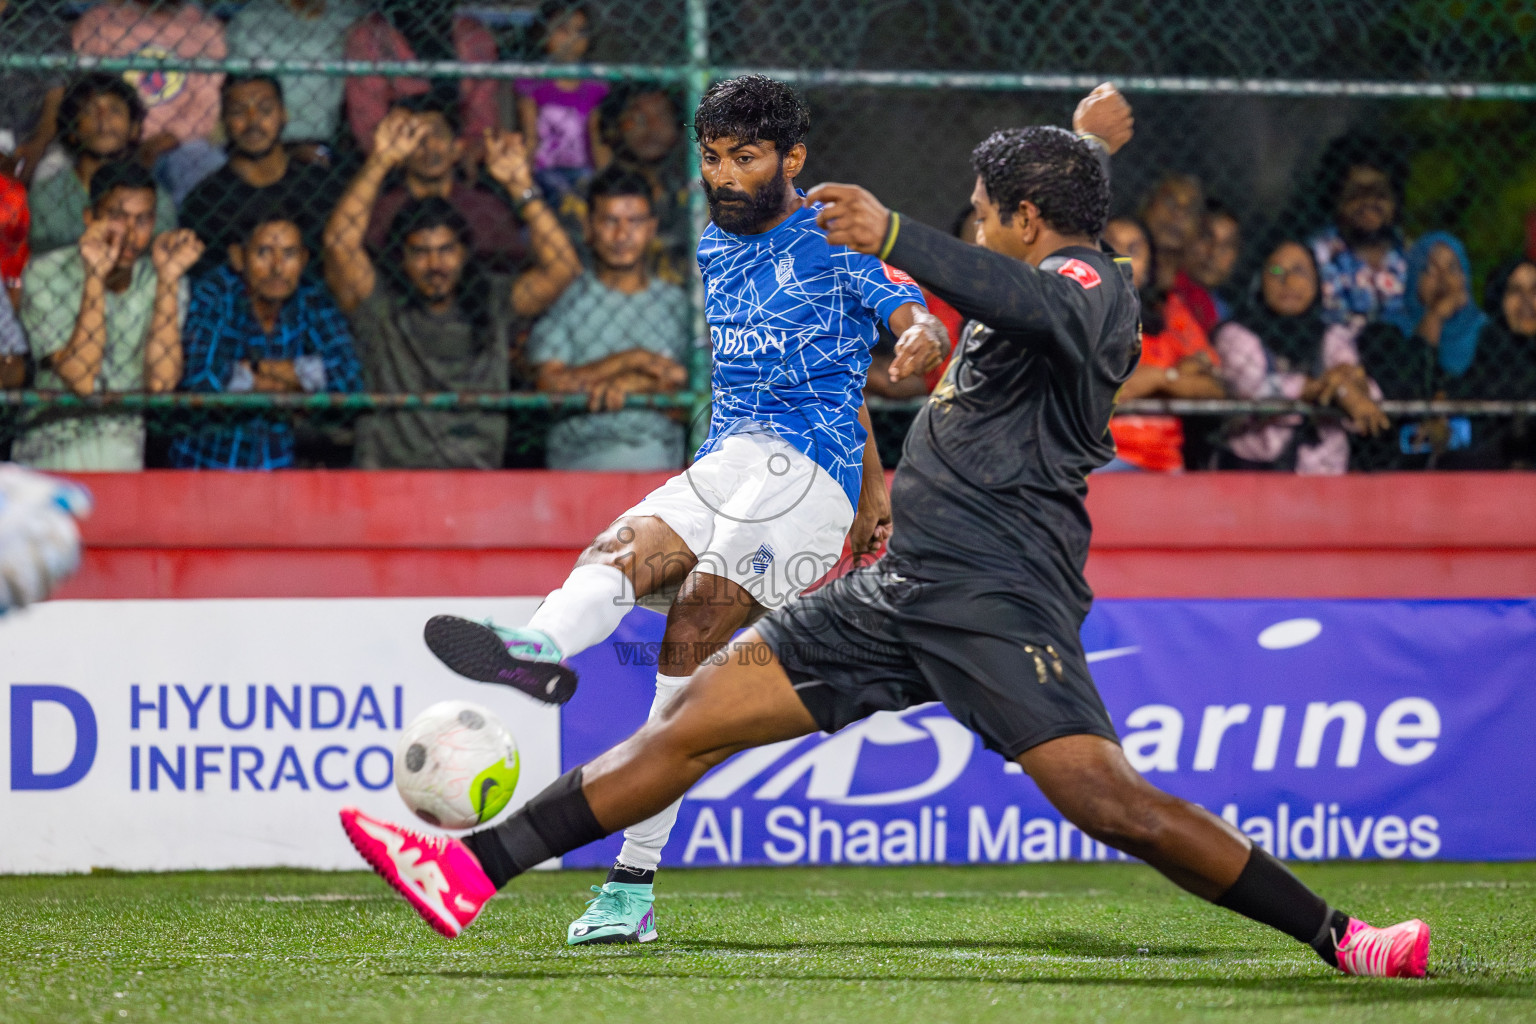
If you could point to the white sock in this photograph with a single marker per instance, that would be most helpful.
(643, 842)
(586, 609)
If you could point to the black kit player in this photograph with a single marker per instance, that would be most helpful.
(978, 601)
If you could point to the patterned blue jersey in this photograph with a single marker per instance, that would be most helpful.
(792, 322)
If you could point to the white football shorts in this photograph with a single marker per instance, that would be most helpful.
(758, 512)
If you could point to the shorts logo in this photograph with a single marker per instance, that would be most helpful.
(761, 559)
(896, 276)
(1080, 272)
(784, 271)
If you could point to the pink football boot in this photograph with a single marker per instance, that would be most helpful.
(1401, 951)
(437, 875)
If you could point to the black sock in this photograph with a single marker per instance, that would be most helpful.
(630, 876)
(556, 821)
(1268, 893)
(1325, 941)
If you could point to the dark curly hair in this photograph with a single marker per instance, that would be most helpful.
(263, 211)
(235, 81)
(618, 181)
(86, 88)
(1049, 167)
(753, 108)
(1346, 152)
(119, 174)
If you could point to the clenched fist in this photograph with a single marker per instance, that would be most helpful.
(174, 253)
(1105, 113)
(851, 216)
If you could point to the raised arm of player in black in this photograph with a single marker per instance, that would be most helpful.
(1009, 295)
(1006, 294)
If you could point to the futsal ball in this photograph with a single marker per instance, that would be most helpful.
(456, 765)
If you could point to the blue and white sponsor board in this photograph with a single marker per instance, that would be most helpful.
(1323, 729)
(157, 735)
(226, 733)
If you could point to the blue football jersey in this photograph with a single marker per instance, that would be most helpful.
(792, 322)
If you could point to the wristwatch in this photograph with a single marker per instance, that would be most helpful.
(522, 199)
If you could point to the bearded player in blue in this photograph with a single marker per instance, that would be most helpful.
(787, 473)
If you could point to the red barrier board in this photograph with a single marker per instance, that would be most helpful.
(170, 534)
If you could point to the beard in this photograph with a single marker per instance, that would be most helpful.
(255, 155)
(741, 213)
(1355, 236)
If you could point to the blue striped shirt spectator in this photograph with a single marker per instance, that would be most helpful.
(257, 324)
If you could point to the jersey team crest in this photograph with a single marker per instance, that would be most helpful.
(1080, 272)
(784, 271)
(761, 559)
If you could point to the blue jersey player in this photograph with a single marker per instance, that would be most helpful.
(787, 473)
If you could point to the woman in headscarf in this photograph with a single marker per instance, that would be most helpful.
(1503, 369)
(1277, 345)
(1437, 308)
(1505, 365)
(1425, 350)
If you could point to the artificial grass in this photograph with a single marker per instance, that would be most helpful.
(1038, 943)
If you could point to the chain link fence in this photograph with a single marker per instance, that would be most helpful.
(330, 233)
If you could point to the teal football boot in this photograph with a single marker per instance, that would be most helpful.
(524, 659)
(621, 912)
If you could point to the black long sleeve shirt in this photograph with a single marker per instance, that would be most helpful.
(992, 479)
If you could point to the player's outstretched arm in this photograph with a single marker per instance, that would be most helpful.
(1004, 293)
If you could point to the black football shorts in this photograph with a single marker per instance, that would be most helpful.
(1001, 662)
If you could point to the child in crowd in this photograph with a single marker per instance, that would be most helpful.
(559, 117)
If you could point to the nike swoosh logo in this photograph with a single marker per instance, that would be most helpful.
(425, 878)
(486, 786)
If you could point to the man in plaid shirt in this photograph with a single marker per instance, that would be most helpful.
(257, 324)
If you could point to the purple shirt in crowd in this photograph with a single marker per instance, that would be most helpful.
(562, 123)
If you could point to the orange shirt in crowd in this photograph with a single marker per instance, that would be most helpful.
(182, 103)
(1156, 443)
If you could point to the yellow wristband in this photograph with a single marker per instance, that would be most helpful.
(890, 235)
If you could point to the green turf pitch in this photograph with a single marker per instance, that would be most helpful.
(877, 945)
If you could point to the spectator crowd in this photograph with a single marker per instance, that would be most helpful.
(223, 233)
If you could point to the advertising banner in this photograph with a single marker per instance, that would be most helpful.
(226, 733)
(1322, 728)
(147, 735)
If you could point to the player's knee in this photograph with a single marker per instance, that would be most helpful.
(609, 548)
(690, 623)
